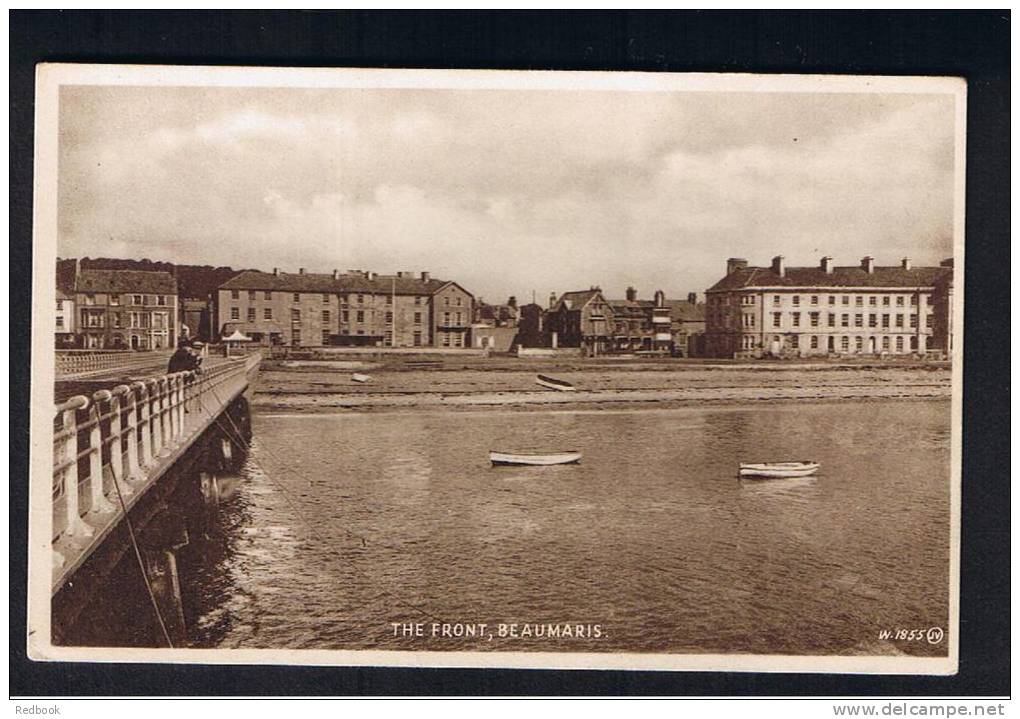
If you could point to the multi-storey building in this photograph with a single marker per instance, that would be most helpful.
(642, 325)
(123, 309)
(349, 309)
(688, 326)
(866, 309)
(582, 319)
(64, 319)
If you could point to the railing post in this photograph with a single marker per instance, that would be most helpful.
(116, 440)
(100, 504)
(156, 415)
(76, 526)
(144, 411)
(181, 399)
(133, 473)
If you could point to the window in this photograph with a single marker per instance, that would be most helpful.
(872, 320)
(796, 300)
(446, 302)
(844, 344)
(913, 320)
(814, 319)
(114, 300)
(885, 343)
(389, 317)
(235, 313)
(446, 340)
(899, 344)
(295, 338)
(325, 317)
(745, 300)
(360, 317)
(872, 301)
(267, 295)
(295, 315)
(234, 295)
(858, 301)
(846, 299)
(777, 319)
(460, 301)
(325, 298)
(899, 320)
(899, 300)
(814, 342)
(913, 343)
(929, 321)
(325, 337)
(417, 338)
(251, 295)
(885, 301)
(795, 341)
(60, 321)
(814, 299)
(389, 299)
(885, 321)
(116, 320)
(858, 343)
(457, 338)
(251, 314)
(60, 304)
(858, 320)
(796, 319)
(459, 321)
(297, 296)
(776, 299)
(913, 300)
(832, 319)
(361, 299)
(417, 299)
(446, 318)
(267, 313)
(137, 299)
(345, 316)
(844, 320)
(417, 318)
(832, 299)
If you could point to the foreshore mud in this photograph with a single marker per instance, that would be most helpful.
(328, 386)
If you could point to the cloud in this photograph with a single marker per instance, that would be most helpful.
(506, 191)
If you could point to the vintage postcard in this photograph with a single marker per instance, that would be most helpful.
(497, 369)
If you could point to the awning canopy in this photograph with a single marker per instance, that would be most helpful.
(237, 337)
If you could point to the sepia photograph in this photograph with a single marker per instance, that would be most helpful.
(466, 368)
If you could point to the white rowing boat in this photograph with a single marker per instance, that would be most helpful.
(553, 383)
(778, 469)
(516, 459)
(357, 377)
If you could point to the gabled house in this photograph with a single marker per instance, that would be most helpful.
(582, 319)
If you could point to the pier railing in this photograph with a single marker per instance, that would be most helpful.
(78, 362)
(124, 434)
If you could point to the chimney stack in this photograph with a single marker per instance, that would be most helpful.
(512, 302)
(778, 266)
(735, 263)
(827, 265)
(868, 264)
(424, 276)
(660, 298)
(276, 272)
(552, 300)
(301, 270)
(631, 294)
(906, 263)
(336, 274)
(692, 298)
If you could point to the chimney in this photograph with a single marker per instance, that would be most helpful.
(370, 275)
(868, 264)
(552, 300)
(301, 270)
(905, 263)
(512, 302)
(276, 271)
(424, 276)
(660, 298)
(735, 263)
(827, 265)
(778, 266)
(692, 298)
(77, 269)
(336, 274)
(631, 294)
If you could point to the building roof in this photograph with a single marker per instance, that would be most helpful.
(308, 282)
(126, 281)
(854, 276)
(685, 311)
(576, 300)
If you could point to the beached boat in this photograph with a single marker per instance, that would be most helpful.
(778, 469)
(516, 459)
(357, 377)
(553, 383)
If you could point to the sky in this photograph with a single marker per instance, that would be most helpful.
(508, 192)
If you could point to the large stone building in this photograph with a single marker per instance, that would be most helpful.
(796, 311)
(126, 309)
(641, 325)
(354, 308)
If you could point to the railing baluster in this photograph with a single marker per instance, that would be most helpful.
(99, 502)
(76, 526)
(116, 439)
(131, 432)
(143, 410)
(156, 419)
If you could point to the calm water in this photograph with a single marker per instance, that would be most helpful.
(346, 523)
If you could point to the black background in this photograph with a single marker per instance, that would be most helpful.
(974, 45)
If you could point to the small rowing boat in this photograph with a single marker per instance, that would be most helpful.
(357, 377)
(553, 383)
(779, 469)
(516, 459)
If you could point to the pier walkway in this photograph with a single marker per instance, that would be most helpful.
(112, 446)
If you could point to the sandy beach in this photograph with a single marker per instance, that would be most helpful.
(310, 386)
